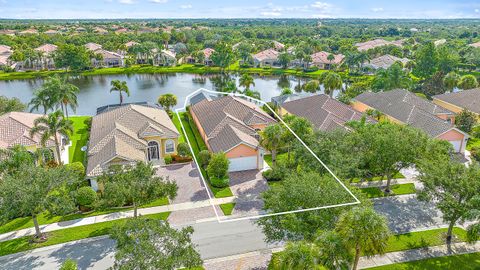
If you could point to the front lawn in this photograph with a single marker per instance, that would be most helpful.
(398, 189)
(198, 145)
(66, 235)
(227, 208)
(453, 262)
(398, 175)
(46, 218)
(407, 241)
(79, 138)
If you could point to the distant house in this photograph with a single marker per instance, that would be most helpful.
(127, 134)
(475, 45)
(266, 58)
(100, 30)
(458, 101)
(207, 55)
(278, 46)
(384, 61)
(122, 31)
(365, 46)
(51, 32)
(46, 61)
(230, 125)
(30, 31)
(320, 60)
(404, 107)
(108, 59)
(15, 130)
(439, 42)
(7, 32)
(324, 112)
(131, 44)
(5, 52)
(165, 58)
(93, 46)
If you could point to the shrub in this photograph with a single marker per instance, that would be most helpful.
(86, 196)
(181, 159)
(168, 159)
(219, 182)
(183, 149)
(275, 174)
(88, 123)
(204, 158)
(218, 166)
(475, 152)
(77, 167)
(69, 264)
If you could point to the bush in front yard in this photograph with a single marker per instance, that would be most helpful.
(475, 153)
(86, 197)
(183, 149)
(218, 166)
(219, 182)
(204, 158)
(275, 174)
(168, 159)
(77, 167)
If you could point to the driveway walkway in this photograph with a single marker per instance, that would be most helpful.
(247, 186)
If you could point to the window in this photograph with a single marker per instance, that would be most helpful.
(153, 153)
(169, 146)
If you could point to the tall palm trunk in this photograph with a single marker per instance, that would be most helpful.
(66, 109)
(57, 147)
(121, 97)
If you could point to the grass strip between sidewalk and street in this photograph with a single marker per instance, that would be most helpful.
(198, 145)
(453, 262)
(67, 235)
(406, 241)
(397, 189)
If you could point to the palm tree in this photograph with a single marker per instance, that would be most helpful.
(41, 99)
(52, 125)
(451, 80)
(62, 92)
(299, 255)
(364, 230)
(330, 59)
(333, 251)
(120, 86)
(246, 81)
(331, 82)
(271, 138)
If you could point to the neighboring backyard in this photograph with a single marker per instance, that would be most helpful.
(79, 138)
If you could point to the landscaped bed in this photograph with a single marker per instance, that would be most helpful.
(66, 235)
(198, 145)
(46, 218)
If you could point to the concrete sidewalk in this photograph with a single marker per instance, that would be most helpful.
(418, 254)
(114, 216)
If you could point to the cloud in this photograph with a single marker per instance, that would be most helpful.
(186, 6)
(270, 14)
(127, 2)
(379, 9)
(321, 5)
(477, 10)
(159, 1)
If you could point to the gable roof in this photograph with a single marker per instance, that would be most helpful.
(324, 112)
(93, 46)
(15, 129)
(266, 55)
(47, 48)
(108, 54)
(208, 52)
(120, 132)
(131, 43)
(467, 99)
(364, 46)
(228, 121)
(322, 57)
(385, 61)
(409, 109)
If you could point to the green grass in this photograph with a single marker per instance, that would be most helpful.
(79, 139)
(398, 175)
(198, 145)
(280, 158)
(176, 122)
(227, 208)
(66, 235)
(46, 218)
(455, 262)
(407, 241)
(399, 189)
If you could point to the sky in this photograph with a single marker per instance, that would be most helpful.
(115, 9)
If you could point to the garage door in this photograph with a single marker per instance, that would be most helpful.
(456, 145)
(242, 164)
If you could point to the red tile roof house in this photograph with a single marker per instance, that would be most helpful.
(403, 107)
(320, 60)
(45, 62)
(207, 61)
(365, 46)
(266, 58)
(324, 112)
(230, 124)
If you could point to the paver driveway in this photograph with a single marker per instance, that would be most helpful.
(187, 177)
(247, 186)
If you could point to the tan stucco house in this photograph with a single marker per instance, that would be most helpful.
(15, 130)
(458, 101)
(230, 124)
(126, 134)
(404, 107)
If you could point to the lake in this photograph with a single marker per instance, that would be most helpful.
(95, 90)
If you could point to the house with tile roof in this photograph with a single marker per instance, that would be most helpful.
(207, 53)
(108, 59)
(266, 58)
(15, 130)
(164, 58)
(93, 46)
(371, 44)
(320, 60)
(325, 113)
(278, 46)
(475, 45)
(123, 135)
(45, 62)
(230, 124)
(458, 101)
(5, 52)
(384, 61)
(404, 107)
